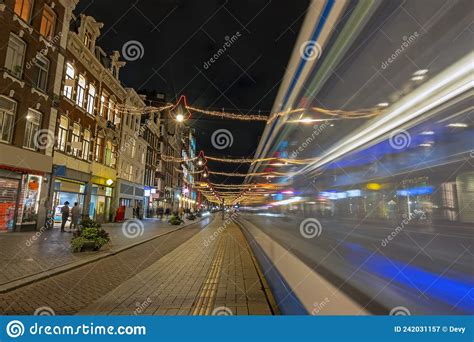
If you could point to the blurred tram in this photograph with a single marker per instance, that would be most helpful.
(389, 199)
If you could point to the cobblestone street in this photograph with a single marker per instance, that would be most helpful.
(69, 292)
(212, 273)
(29, 253)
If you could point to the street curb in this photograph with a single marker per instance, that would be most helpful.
(15, 284)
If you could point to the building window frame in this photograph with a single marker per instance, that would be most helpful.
(98, 149)
(42, 73)
(75, 139)
(7, 119)
(32, 126)
(23, 9)
(81, 91)
(15, 57)
(86, 144)
(48, 22)
(69, 81)
(91, 93)
(63, 129)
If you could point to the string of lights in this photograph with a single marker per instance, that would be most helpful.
(184, 107)
(278, 161)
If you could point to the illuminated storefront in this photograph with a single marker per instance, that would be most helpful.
(20, 196)
(67, 190)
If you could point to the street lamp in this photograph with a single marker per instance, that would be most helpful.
(180, 111)
(180, 117)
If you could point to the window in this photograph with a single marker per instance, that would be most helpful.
(110, 110)
(98, 149)
(48, 21)
(42, 70)
(75, 139)
(102, 105)
(69, 80)
(15, 55)
(113, 159)
(91, 99)
(133, 148)
(23, 9)
(62, 133)
(86, 144)
(108, 153)
(87, 39)
(7, 118)
(116, 117)
(130, 172)
(33, 123)
(81, 88)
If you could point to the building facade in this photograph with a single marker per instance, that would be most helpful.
(129, 192)
(34, 34)
(88, 125)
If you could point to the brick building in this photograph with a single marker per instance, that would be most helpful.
(33, 37)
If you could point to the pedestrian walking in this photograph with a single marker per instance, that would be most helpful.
(64, 215)
(76, 213)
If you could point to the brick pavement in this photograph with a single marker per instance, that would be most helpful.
(29, 253)
(69, 292)
(211, 273)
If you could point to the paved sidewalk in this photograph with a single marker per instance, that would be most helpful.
(27, 254)
(212, 273)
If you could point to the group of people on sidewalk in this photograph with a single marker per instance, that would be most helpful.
(75, 213)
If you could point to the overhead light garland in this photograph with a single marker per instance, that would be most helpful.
(181, 111)
(279, 161)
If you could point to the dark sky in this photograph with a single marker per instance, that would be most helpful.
(180, 36)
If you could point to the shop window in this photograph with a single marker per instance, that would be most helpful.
(7, 118)
(42, 71)
(48, 21)
(62, 133)
(81, 88)
(23, 9)
(15, 55)
(99, 145)
(86, 144)
(29, 200)
(76, 139)
(33, 124)
(69, 81)
(91, 99)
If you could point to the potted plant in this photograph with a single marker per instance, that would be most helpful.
(175, 220)
(90, 237)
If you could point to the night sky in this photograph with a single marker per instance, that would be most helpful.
(179, 37)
